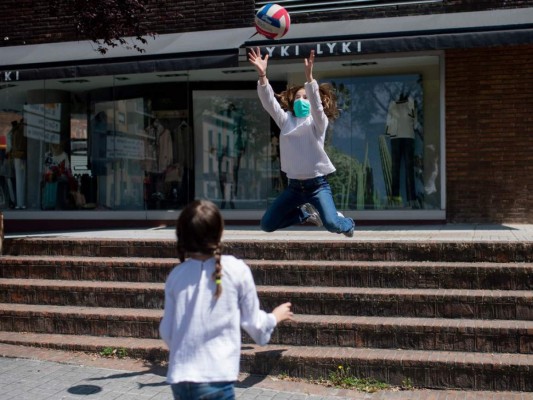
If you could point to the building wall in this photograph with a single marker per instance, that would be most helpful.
(489, 93)
(489, 134)
(45, 21)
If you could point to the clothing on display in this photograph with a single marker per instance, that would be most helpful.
(401, 123)
(19, 145)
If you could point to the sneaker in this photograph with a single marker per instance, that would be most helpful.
(351, 231)
(314, 216)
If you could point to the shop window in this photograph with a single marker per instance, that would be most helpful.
(237, 171)
(387, 144)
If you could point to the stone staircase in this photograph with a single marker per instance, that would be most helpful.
(436, 314)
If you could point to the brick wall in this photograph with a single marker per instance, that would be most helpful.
(446, 6)
(489, 134)
(41, 21)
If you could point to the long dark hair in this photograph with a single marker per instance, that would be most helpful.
(199, 229)
(327, 96)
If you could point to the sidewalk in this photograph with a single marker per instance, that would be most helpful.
(446, 232)
(39, 374)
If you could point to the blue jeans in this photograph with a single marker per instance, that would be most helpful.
(203, 391)
(285, 210)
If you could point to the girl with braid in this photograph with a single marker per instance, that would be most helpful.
(209, 297)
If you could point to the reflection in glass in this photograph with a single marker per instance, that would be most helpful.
(235, 155)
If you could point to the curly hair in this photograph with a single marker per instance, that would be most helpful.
(327, 96)
(199, 229)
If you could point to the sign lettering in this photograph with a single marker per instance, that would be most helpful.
(8, 76)
(322, 49)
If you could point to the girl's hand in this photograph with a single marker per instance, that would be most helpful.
(283, 312)
(309, 62)
(260, 64)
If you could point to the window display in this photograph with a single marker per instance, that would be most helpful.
(389, 159)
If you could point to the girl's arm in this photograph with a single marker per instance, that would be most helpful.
(256, 322)
(320, 120)
(264, 90)
(165, 326)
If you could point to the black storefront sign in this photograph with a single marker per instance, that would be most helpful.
(402, 43)
(321, 49)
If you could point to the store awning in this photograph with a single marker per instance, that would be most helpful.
(405, 34)
(170, 52)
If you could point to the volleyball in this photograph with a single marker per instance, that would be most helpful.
(272, 21)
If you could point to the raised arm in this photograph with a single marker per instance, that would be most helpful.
(309, 63)
(260, 63)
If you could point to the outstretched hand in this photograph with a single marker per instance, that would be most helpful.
(309, 62)
(283, 312)
(260, 63)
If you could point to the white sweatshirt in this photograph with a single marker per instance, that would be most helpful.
(301, 146)
(202, 333)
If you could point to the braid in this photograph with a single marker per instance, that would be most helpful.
(199, 231)
(181, 251)
(217, 274)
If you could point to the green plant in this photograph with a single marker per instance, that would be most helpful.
(112, 352)
(107, 352)
(407, 384)
(342, 377)
(122, 352)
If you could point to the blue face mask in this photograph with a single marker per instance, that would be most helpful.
(301, 108)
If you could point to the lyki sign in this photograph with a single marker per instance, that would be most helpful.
(8, 76)
(321, 49)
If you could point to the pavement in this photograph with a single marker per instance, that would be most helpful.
(437, 232)
(36, 373)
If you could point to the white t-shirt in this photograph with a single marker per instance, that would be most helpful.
(203, 334)
(301, 143)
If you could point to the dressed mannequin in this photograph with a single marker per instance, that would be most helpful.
(58, 155)
(56, 188)
(164, 141)
(8, 171)
(19, 144)
(401, 123)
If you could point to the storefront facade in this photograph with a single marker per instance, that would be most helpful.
(129, 141)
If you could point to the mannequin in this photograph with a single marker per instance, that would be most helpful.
(401, 122)
(56, 191)
(18, 153)
(164, 141)
(58, 155)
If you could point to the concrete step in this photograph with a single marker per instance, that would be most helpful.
(140, 295)
(148, 349)
(131, 269)
(386, 302)
(72, 320)
(306, 330)
(440, 334)
(379, 250)
(430, 369)
(399, 274)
